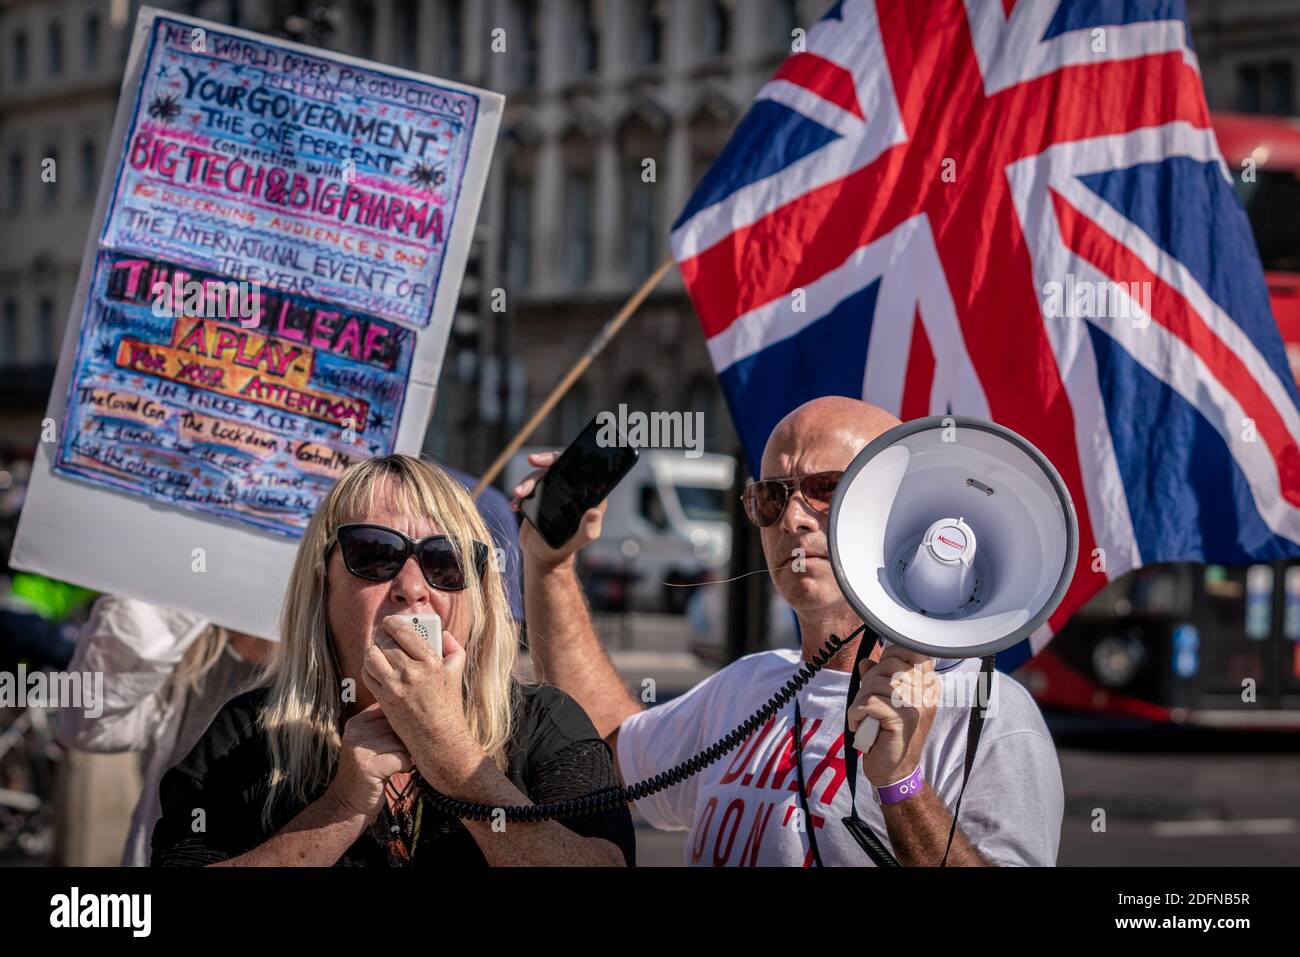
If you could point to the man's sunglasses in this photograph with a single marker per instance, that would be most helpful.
(377, 553)
(766, 499)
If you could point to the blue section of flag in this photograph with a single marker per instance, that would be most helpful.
(1192, 213)
(826, 357)
(1187, 496)
(1086, 14)
(1015, 656)
(768, 139)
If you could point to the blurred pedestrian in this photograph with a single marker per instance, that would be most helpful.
(166, 673)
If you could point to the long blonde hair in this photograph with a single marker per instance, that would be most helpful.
(190, 676)
(199, 658)
(305, 707)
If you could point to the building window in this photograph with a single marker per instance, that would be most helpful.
(586, 34)
(52, 182)
(89, 170)
(45, 323)
(92, 40)
(55, 37)
(577, 227)
(408, 33)
(529, 53)
(20, 57)
(574, 412)
(519, 228)
(9, 334)
(455, 21)
(363, 20)
(716, 34)
(1265, 88)
(649, 32)
(787, 20)
(642, 231)
(15, 189)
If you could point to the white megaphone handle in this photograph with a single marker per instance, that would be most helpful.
(865, 736)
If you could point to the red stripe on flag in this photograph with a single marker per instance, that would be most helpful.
(828, 80)
(920, 374)
(1170, 308)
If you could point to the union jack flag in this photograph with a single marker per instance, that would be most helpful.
(908, 213)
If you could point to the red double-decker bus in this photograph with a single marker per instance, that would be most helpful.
(1204, 645)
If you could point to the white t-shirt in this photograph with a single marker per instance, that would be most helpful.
(744, 809)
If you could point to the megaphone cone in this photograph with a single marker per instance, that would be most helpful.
(952, 536)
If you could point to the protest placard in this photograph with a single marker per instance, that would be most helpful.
(265, 298)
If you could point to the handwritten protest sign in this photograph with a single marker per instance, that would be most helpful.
(251, 423)
(265, 298)
(323, 178)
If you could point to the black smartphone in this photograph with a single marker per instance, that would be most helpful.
(581, 477)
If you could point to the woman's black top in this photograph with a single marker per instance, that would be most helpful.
(554, 754)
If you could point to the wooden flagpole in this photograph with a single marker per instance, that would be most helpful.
(597, 346)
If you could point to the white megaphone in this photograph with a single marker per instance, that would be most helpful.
(951, 536)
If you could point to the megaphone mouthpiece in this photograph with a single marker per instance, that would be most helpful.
(940, 578)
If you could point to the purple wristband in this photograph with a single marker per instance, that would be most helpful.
(901, 790)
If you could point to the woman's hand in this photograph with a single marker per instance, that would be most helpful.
(531, 543)
(422, 696)
(371, 753)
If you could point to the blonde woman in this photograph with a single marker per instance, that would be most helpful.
(322, 766)
(166, 674)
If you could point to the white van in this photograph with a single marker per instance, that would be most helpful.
(668, 524)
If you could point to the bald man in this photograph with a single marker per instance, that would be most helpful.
(751, 808)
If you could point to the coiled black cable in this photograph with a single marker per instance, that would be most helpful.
(610, 798)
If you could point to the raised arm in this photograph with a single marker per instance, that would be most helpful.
(561, 638)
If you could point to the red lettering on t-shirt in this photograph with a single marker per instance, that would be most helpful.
(783, 744)
(786, 764)
(706, 818)
(721, 857)
(808, 854)
(749, 854)
(793, 810)
(833, 762)
(747, 750)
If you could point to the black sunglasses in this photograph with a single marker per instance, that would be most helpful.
(377, 553)
(766, 499)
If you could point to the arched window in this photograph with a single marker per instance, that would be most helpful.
(579, 203)
(642, 147)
